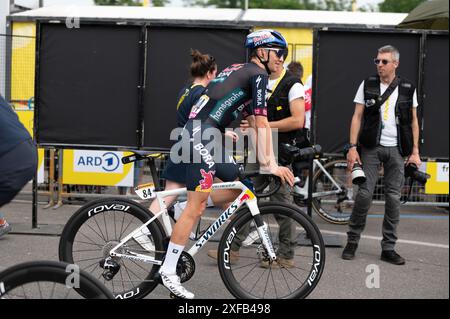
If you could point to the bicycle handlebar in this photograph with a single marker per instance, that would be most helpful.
(290, 154)
(139, 156)
(243, 175)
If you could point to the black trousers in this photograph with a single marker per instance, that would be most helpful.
(17, 167)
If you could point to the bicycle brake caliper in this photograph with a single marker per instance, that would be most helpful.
(267, 242)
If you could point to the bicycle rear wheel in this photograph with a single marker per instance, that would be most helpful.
(299, 247)
(50, 280)
(98, 227)
(334, 208)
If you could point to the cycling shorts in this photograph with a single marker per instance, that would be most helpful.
(206, 159)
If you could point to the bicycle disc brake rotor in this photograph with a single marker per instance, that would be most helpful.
(185, 267)
(108, 247)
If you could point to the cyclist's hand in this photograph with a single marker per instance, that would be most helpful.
(352, 158)
(284, 174)
(232, 135)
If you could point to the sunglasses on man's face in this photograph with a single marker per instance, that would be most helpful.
(279, 52)
(378, 61)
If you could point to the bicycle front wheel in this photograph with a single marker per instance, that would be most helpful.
(50, 280)
(96, 228)
(335, 208)
(245, 267)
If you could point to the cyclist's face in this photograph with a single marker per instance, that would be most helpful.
(275, 62)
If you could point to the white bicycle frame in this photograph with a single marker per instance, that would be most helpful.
(304, 190)
(245, 197)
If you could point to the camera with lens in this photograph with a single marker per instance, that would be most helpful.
(411, 170)
(288, 153)
(358, 176)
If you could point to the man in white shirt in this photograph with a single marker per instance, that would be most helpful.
(386, 127)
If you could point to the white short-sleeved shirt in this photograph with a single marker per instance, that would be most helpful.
(297, 91)
(389, 126)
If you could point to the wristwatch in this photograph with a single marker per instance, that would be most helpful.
(347, 147)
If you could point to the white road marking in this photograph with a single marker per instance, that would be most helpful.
(403, 241)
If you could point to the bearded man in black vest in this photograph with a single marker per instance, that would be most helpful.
(384, 131)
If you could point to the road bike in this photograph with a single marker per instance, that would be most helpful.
(50, 280)
(332, 197)
(123, 243)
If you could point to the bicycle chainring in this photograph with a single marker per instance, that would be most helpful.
(185, 267)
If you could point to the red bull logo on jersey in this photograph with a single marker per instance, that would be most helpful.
(205, 184)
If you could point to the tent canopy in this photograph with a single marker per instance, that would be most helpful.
(431, 15)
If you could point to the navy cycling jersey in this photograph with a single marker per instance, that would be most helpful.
(187, 98)
(238, 88)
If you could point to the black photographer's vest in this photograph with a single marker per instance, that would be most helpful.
(278, 107)
(371, 129)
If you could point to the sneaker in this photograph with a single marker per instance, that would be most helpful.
(349, 251)
(251, 238)
(279, 263)
(4, 229)
(392, 257)
(234, 255)
(173, 284)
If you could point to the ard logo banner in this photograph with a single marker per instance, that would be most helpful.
(104, 168)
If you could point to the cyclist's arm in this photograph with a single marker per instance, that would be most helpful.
(264, 144)
(263, 136)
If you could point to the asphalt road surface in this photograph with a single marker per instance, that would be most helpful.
(423, 242)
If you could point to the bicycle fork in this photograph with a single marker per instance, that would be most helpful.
(262, 228)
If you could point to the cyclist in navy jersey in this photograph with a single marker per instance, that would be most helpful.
(230, 90)
(203, 69)
(188, 96)
(225, 97)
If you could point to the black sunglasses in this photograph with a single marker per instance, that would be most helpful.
(377, 61)
(280, 52)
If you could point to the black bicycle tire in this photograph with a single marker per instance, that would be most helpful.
(51, 271)
(81, 215)
(268, 207)
(316, 205)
